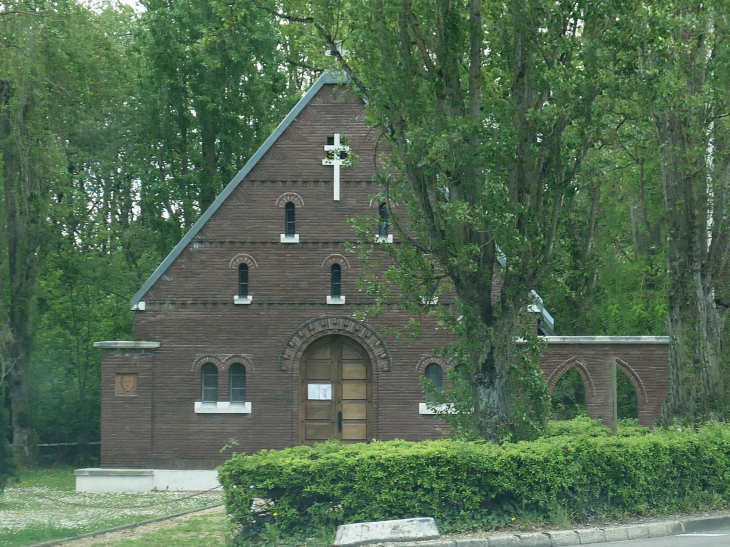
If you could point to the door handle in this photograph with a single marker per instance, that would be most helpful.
(339, 422)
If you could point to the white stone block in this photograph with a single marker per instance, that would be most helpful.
(144, 480)
(178, 479)
(114, 480)
(388, 530)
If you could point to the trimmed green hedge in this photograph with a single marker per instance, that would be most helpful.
(466, 485)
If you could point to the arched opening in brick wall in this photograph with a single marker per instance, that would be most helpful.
(568, 397)
(627, 401)
(571, 388)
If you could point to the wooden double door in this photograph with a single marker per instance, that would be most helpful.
(335, 393)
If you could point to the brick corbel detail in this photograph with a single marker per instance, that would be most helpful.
(336, 259)
(243, 259)
(289, 197)
(202, 359)
(245, 360)
(445, 364)
(318, 327)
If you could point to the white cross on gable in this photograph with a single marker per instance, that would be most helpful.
(334, 158)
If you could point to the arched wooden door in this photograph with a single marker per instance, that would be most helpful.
(335, 392)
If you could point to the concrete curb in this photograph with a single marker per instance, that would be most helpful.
(119, 528)
(585, 536)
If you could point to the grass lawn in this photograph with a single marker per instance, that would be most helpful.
(44, 506)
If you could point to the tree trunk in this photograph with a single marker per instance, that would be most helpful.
(21, 247)
(695, 322)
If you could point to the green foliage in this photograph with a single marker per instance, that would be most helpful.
(581, 426)
(580, 469)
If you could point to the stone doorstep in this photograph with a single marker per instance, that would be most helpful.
(386, 531)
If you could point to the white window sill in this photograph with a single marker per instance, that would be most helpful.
(242, 299)
(443, 408)
(292, 238)
(334, 300)
(222, 407)
(384, 239)
(432, 302)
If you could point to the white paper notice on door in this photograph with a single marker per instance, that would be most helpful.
(319, 392)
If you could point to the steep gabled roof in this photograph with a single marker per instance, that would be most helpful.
(326, 78)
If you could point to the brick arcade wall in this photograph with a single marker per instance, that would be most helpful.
(645, 364)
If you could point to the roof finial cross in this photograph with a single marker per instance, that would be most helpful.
(337, 155)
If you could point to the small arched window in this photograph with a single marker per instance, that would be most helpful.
(335, 281)
(436, 375)
(291, 227)
(209, 383)
(243, 280)
(238, 383)
(383, 225)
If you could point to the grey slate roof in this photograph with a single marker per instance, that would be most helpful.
(326, 78)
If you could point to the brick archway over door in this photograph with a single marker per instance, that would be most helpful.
(315, 328)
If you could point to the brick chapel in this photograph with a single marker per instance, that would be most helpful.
(246, 330)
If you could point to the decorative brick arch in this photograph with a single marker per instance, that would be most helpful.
(245, 360)
(336, 259)
(318, 327)
(423, 362)
(243, 259)
(582, 370)
(289, 197)
(633, 376)
(202, 359)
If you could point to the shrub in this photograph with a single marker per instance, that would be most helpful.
(467, 485)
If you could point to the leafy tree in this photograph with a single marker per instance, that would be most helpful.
(682, 77)
(489, 110)
(213, 90)
(59, 83)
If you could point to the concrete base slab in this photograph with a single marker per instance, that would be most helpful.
(592, 535)
(639, 531)
(616, 534)
(661, 529)
(504, 541)
(386, 531)
(566, 537)
(537, 539)
(143, 480)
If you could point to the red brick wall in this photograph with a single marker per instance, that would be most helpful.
(644, 364)
(126, 422)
